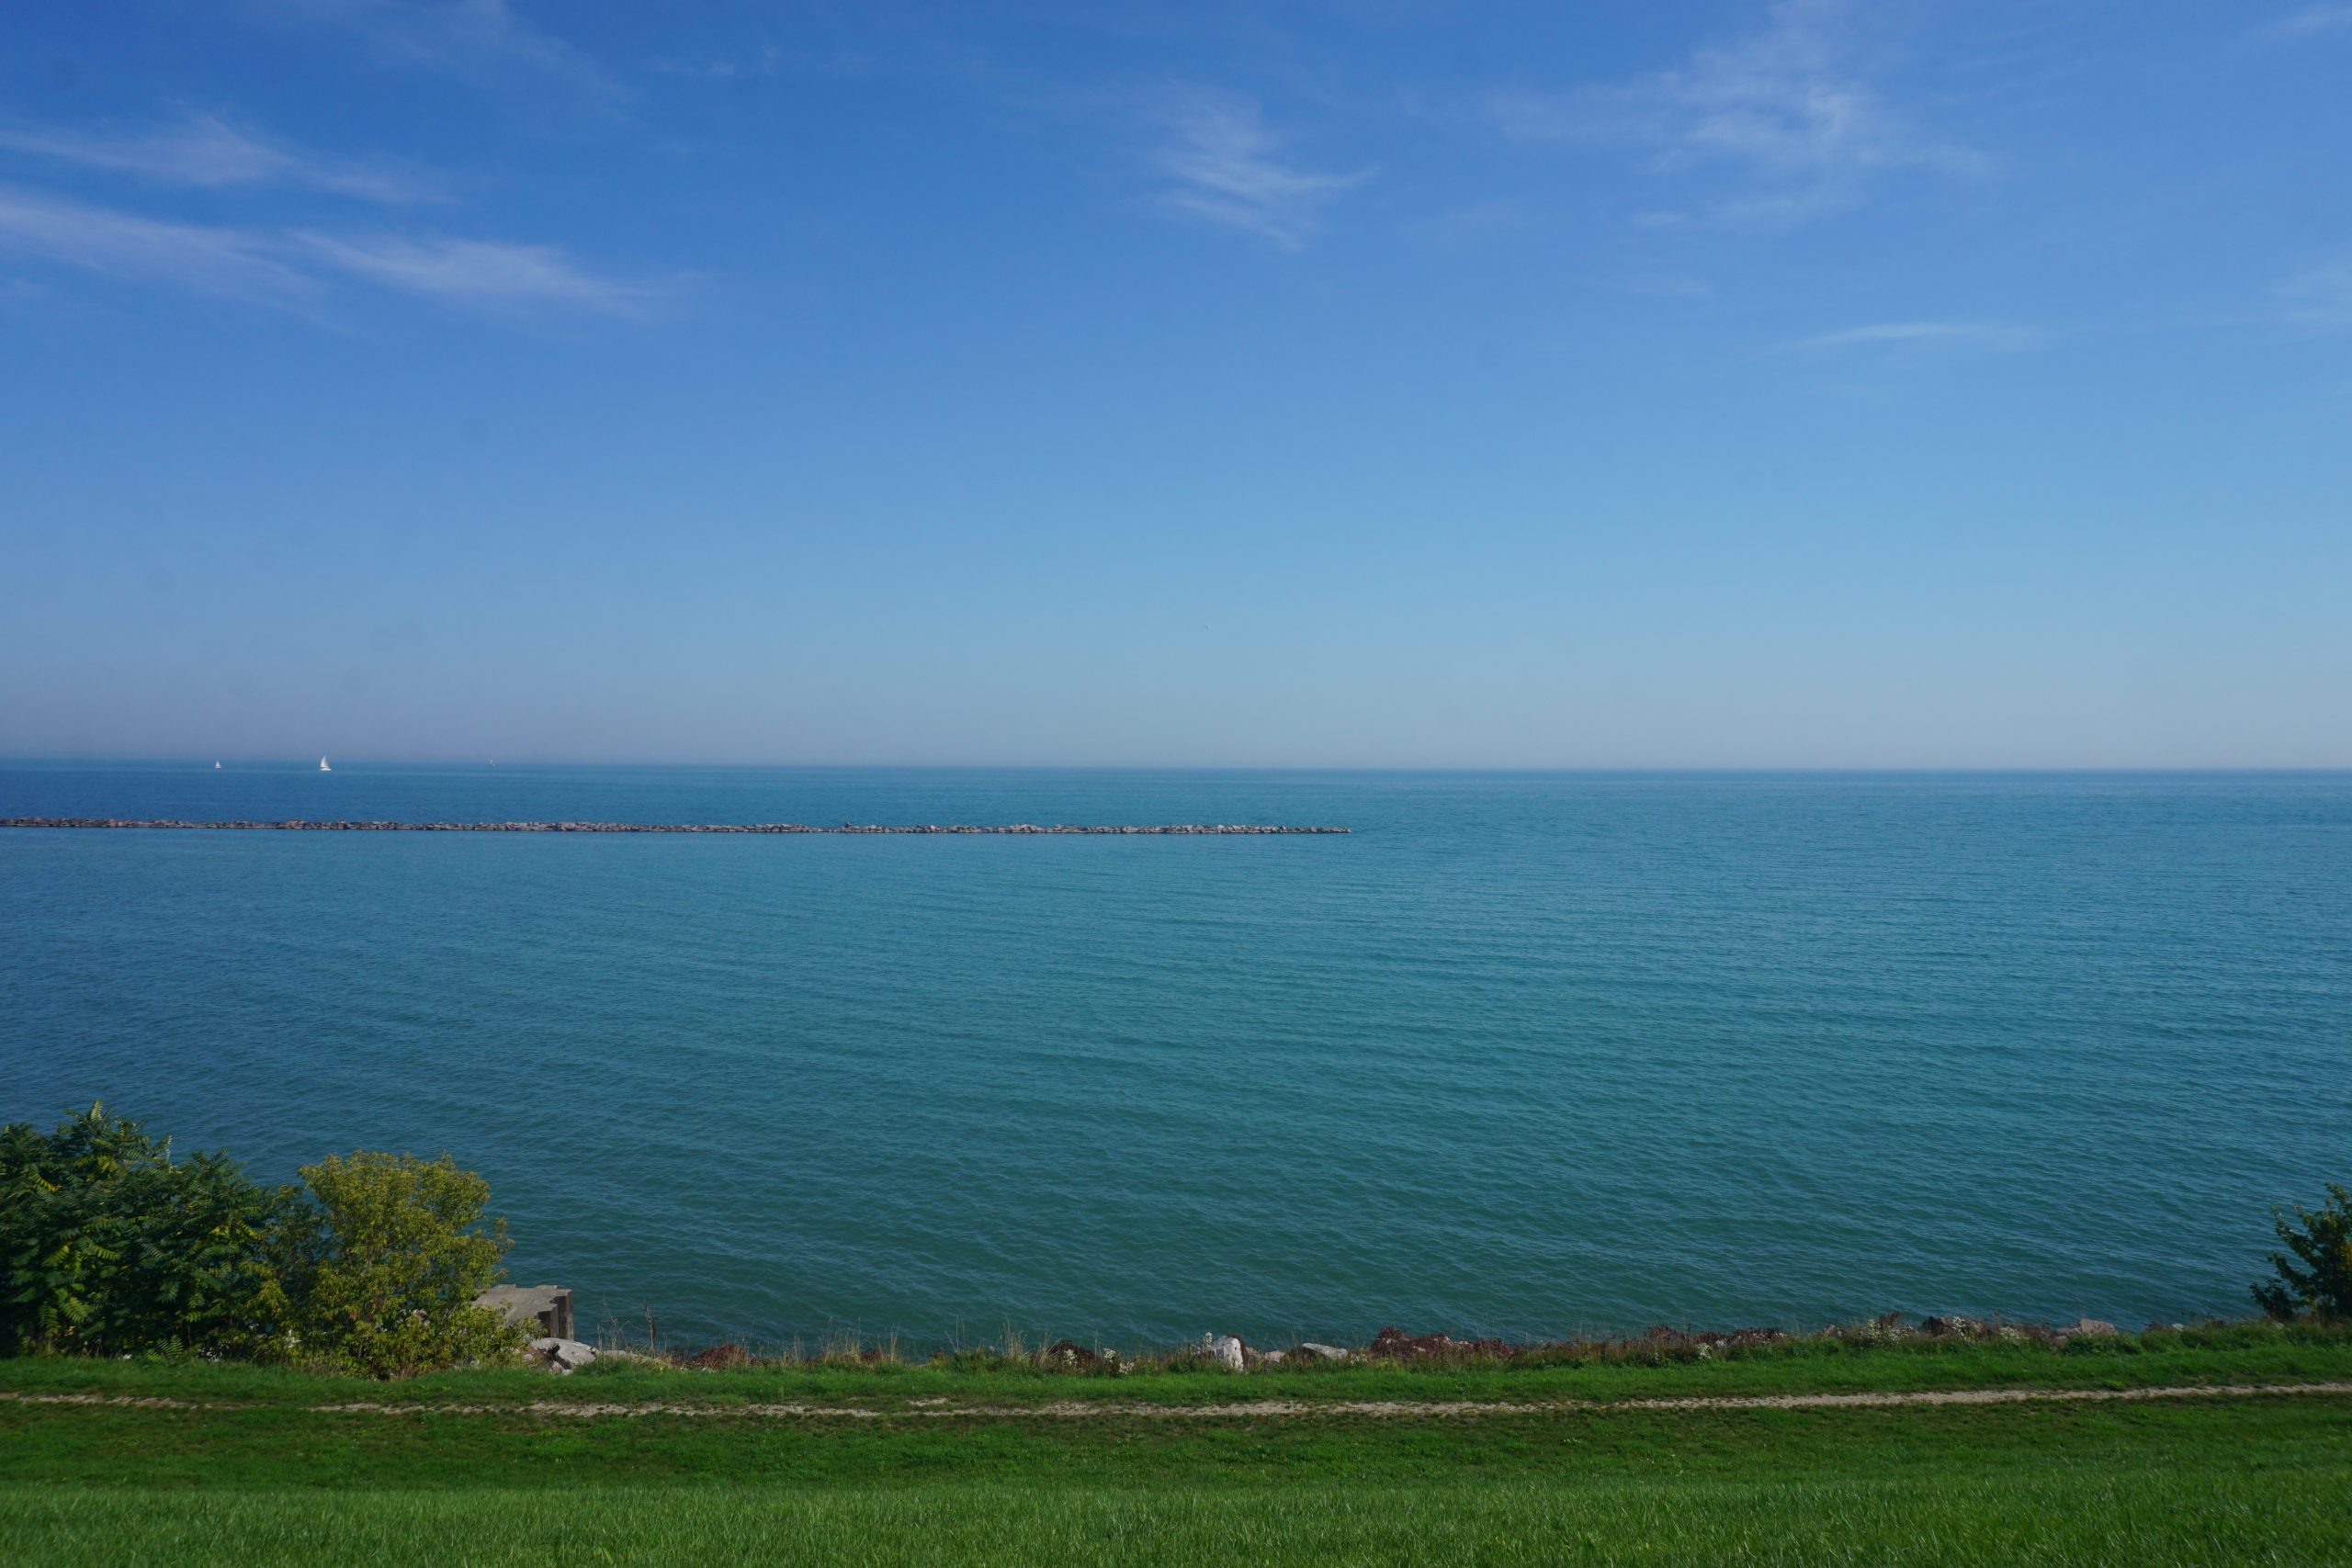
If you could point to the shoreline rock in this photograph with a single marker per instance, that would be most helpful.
(1395, 1346)
(562, 1357)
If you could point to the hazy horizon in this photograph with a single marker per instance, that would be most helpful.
(360, 762)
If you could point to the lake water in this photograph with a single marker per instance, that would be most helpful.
(1524, 1054)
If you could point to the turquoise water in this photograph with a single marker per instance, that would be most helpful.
(1525, 1054)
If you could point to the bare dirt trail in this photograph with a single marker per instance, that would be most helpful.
(1289, 1409)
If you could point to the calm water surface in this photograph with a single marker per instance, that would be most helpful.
(1524, 1054)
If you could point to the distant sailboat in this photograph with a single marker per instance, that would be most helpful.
(216, 767)
(322, 766)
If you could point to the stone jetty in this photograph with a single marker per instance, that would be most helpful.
(1237, 829)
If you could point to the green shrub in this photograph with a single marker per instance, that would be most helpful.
(108, 1245)
(2321, 1287)
(388, 1256)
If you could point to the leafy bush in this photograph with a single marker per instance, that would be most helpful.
(108, 1245)
(388, 1256)
(2322, 1287)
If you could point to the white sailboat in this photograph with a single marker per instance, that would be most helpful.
(322, 766)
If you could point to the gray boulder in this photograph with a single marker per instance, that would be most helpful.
(564, 1356)
(1227, 1349)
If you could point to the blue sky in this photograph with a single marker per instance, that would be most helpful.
(1810, 384)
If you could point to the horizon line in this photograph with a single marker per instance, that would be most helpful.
(274, 763)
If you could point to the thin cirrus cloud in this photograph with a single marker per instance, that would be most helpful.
(481, 39)
(1225, 167)
(2314, 20)
(481, 271)
(300, 269)
(2320, 298)
(1798, 108)
(206, 151)
(767, 62)
(203, 258)
(1997, 337)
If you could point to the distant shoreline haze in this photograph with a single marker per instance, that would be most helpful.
(763, 830)
(357, 762)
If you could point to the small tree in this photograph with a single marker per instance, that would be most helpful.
(391, 1256)
(2321, 1287)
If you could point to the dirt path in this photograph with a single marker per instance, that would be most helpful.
(1082, 1409)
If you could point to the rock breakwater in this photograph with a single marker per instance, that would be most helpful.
(1233, 829)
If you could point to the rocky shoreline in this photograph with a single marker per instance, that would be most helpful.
(554, 1348)
(1192, 830)
(1395, 1345)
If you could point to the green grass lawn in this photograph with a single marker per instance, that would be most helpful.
(2143, 1519)
(257, 1474)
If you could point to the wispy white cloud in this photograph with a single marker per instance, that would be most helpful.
(1797, 107)
(300, 269)
(2321, 296)
(2312, 21)
(2000, 337)
(480, 272)
(204, 150)
(767, 62)
(1667, 285)
(1225, 167)
(1786, 209)
(471, 38)
(1470, 225)
(204, 258)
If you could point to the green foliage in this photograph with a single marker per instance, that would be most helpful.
(2321, 1287)
(390, 1254)
(108, 1245)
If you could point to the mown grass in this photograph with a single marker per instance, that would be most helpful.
(256, 1474)
(2139, 1519)
(271, 1447)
